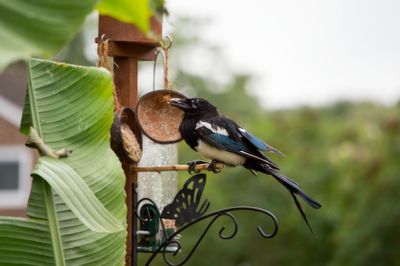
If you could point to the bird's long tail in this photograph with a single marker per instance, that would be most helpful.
(294, 190)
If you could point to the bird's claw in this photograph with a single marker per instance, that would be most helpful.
(192, 166)
(213, 168)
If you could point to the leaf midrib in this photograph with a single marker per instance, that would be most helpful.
(53, 224)
(47, 191)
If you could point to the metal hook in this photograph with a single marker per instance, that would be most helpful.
(166, 42)
(103, 37)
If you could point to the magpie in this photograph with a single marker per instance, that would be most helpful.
(223, 141)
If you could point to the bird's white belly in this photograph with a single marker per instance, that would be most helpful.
(225, 157)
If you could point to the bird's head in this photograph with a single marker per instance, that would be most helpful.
(194, 106)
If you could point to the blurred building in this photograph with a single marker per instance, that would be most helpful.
(16, 160)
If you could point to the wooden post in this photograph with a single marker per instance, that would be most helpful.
(127, 45)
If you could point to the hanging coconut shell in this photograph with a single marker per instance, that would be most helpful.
(157, 118)
(126, 138)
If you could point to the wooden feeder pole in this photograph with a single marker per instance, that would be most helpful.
(127, 45)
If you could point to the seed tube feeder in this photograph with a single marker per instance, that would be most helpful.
(156, 119)
(159, 122)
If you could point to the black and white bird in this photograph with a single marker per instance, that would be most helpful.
(223, 141)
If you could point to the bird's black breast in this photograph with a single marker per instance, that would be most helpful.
(188, 131)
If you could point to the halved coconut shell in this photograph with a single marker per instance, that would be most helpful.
(126, 138)
(157, 118)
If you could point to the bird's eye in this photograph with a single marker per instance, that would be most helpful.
(195, 103)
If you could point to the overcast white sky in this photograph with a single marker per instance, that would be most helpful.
(306, 51)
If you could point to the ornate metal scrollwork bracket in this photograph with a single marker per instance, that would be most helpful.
(192, 214)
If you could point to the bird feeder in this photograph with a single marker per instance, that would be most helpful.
(159, 122)
(157, 118)
(126, 137)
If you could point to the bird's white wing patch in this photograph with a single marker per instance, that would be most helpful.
(218, 130)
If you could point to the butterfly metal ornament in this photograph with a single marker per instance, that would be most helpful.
(186, 205)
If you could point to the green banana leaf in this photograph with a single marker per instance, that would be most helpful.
(39, 27)
(77, 212)
(137, 12)
(43, 27)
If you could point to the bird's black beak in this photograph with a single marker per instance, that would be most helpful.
(180, 103)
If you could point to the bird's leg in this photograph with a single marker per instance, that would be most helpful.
(212, 167)
(192, 166)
